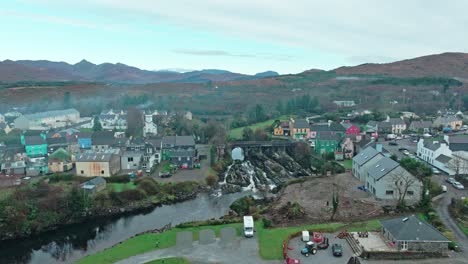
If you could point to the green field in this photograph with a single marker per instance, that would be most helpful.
(270, 240)
(236, 133)
(118, 187)
(147, 242)
(169, 261)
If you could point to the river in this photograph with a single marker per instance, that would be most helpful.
(71, 243)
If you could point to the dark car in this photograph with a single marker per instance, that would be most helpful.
(393, 143)
(337, 250)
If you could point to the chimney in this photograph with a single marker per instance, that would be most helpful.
(378, 147)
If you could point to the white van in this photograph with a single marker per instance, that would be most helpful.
(248, 226)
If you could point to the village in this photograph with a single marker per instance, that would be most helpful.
(379, 167)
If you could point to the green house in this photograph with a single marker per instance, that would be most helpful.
(35, 146)
(327, 143)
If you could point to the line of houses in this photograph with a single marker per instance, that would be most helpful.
(103, 153)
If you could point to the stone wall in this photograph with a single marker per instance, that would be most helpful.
(401, 255)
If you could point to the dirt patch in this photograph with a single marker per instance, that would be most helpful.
(315, 197)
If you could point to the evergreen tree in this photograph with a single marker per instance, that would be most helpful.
(97, 124)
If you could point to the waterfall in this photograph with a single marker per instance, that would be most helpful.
(251, 173)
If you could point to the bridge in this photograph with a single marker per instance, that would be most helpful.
(275, 145)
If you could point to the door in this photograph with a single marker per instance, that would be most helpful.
(404, 245)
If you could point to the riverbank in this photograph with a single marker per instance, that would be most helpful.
(47, 206)
(270, 239)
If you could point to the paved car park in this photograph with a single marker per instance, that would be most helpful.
(322, 256)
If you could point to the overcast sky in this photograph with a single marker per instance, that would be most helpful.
(246, 36)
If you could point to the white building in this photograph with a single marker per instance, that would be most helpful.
(344, 103)
(49, 119)
(435, 153)
(363, 160)
(2, 118)
(150, 127)
(387, 180)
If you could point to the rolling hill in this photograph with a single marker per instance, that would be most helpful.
(85, 71)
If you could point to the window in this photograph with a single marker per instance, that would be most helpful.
(102, 172)
(410, 192)
(389, 192)
(404, 245)
(180, 158)
(130, 159)
(82, 172)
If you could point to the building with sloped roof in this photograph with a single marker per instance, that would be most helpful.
(387, 180)
(47, 119)
(363, 160)
(409, 233)
(95, 185)
(104, 164)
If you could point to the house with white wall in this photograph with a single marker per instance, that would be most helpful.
(387, 180)
(435, 153)
(363, 160)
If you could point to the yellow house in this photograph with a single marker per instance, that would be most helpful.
(281, 129)
(97, 164)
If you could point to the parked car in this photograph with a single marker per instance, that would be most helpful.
(450, 180)
(165, 175)
(444, 188)
(337, 250)
(406, 152)
(393, 143)
(458, 186)
(435, 171)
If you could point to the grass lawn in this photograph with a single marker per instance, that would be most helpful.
(236, 133)
(147, 242)
(118, 187)
(348, 164)
(169, 261)
(463, 228)
(5, 193)
(271, 240)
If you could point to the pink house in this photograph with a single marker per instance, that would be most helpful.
(351, 129)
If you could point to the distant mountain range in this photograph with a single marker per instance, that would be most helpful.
(43, 70)
(441, 65)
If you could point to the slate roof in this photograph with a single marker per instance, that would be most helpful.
(60, 154)
(103, 138)
(431, 145)
(129, 153)
(421, 124)
(365, 155)
(301, 123)
(458, 140)
(396, 121)
(337, 127)
(94, 157)
(443, 159)
(155, 142)
(319, 127)
(412, 229)
(34, 140)
(183, 153)
(347, 125)
(382, 168)
(57, 141)
(325, 135)
(179, 141)
(95, 181)
(372, 123)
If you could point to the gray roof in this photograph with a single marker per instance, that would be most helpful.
(412, 229)
(103, 138)
(446, 119)
(57, 141)
(444, 159)
(85, 134)
(458, 140)
(347, 125)
(326, 135)
(431, 145)
(179, 140)
(42, 115)
(95, 181)
(301, 123)
(382, 168)
(34, 140)
(320, 127)
(385, 125)
(132, 154)
(421, 124)
(372, 123)
(183, 153)
(94, 157)
(365, 155)
(396, 121)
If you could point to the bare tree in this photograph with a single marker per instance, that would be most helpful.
(459, 164)
(400, 184)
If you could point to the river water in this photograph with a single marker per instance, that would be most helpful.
(69, 244)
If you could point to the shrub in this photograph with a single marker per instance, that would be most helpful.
(266, 223)
(242, 205)
(118, 179)
(211, 179)
(132, 195)
(148, 185)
